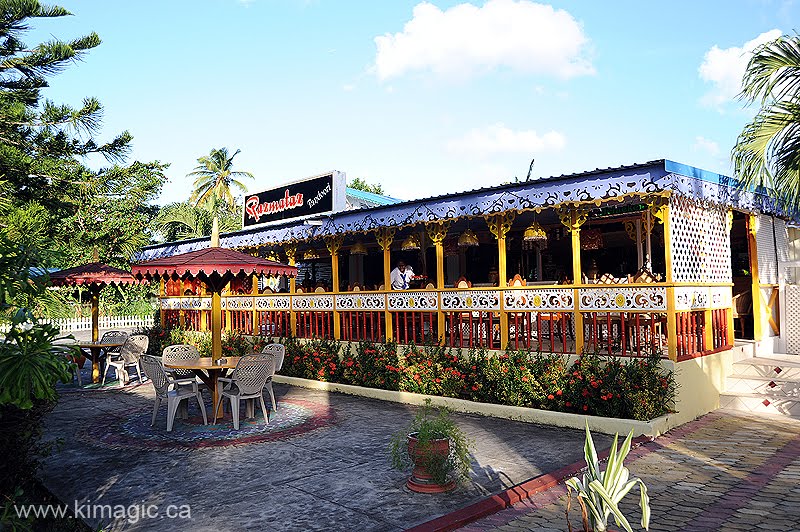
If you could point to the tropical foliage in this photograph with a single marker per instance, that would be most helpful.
(214, 177)
(182, 220)
(767, 152)
(360, 184)
(600, 492)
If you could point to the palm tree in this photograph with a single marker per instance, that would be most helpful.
(178, 221)
(767, 152)
(215, 178)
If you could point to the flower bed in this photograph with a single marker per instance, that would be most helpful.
(637, 389)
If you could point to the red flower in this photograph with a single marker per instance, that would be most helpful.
(585, 408)
(559, 392)
(437, 381)
(551, 396)
(474, 387)
(568, 404)
(524, 379)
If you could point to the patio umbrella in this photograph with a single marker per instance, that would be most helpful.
(94, 276)
(216, 267)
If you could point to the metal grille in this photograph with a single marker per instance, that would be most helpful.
(767, 260)
(701, 245)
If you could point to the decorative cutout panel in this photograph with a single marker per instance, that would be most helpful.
(692, 297)
(645, 298)
(701, 245)
(721, 297)
(361, 302)
(791, 327)
(196, 303)
(405, 300)
(170, 303)
(237, 303)
(471, 300)
(273, 302)
(320, 302)
(544, 299)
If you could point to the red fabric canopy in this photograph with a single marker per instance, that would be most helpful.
(210, 261)
(94, 273)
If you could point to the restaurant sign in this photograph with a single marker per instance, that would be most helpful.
(315, 196)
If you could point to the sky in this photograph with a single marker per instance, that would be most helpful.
(423, 98)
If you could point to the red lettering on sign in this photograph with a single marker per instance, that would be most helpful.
(255, 209)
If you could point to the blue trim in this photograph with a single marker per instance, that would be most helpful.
(697, 173)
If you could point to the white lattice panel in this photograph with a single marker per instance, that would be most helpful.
(405, 300)
(645, 298)
(538, 299)
(765, 244)
(273, 302)
(196, 303)
(700, 243)
(320, 302)
(361, 302)
(471, 300)
(792, 326)
(782, 248)
(237, 303)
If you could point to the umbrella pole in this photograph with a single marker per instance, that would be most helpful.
(216, 326)
(94, 297)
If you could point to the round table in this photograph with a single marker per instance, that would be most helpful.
(95, 348)
(207, 371)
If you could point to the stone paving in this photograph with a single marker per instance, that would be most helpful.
(728, 471)
(336, 477)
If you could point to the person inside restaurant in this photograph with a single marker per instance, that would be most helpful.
(401, 276)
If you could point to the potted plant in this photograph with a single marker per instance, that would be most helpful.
(435, 448)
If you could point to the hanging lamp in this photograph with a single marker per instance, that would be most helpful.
(411, 243)
(358, 249)
(310, 255)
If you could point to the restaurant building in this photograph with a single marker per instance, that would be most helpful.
(619, 261)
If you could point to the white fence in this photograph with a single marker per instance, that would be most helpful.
(105, 322)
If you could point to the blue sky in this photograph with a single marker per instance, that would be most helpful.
(424, 98)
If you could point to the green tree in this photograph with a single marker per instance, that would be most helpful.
(360, 184)
(214, 178)
(767, 152)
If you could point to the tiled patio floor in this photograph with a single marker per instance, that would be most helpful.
(333, 476)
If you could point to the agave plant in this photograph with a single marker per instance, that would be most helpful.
(599, 493)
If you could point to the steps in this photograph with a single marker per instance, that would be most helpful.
(767, 385)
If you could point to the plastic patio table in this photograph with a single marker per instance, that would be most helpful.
(94, 350)
(207, 371)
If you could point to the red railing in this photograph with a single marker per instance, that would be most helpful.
(415, 327)
(719, 328)
(315, 324)
(191, 319)
(171, 319)
(623, 333)
(472, 329)
(356, 326)
(690, 333)
(276, 323)
(241, 320)
(542, 331)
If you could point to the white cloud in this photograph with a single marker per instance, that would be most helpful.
(467, 40)
(702, 144)
(348, 87)
(724, 68)
(498, 139)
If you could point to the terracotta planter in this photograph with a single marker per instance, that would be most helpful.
(421, 481)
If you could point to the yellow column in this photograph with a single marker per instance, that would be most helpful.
(181, 315)
(227, 312)
(160, 297)
(758, 302)
(254, 291)
(291, 258)
(216, 326)
(672, 317)
(334, 243)
(437, 231)
(385, 237)
(499, 225)
(573, 218)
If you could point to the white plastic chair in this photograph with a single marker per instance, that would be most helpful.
(133, 348)
(247, 382)
(180, 353)
(279, 351)
(162, 382)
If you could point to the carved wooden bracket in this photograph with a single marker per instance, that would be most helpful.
(437, 231)
(385, 236)
(291, 252)
(334, 243)
(500, 224)
(572, 217)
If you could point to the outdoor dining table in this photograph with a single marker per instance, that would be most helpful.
(94, 350)
(207, 371)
